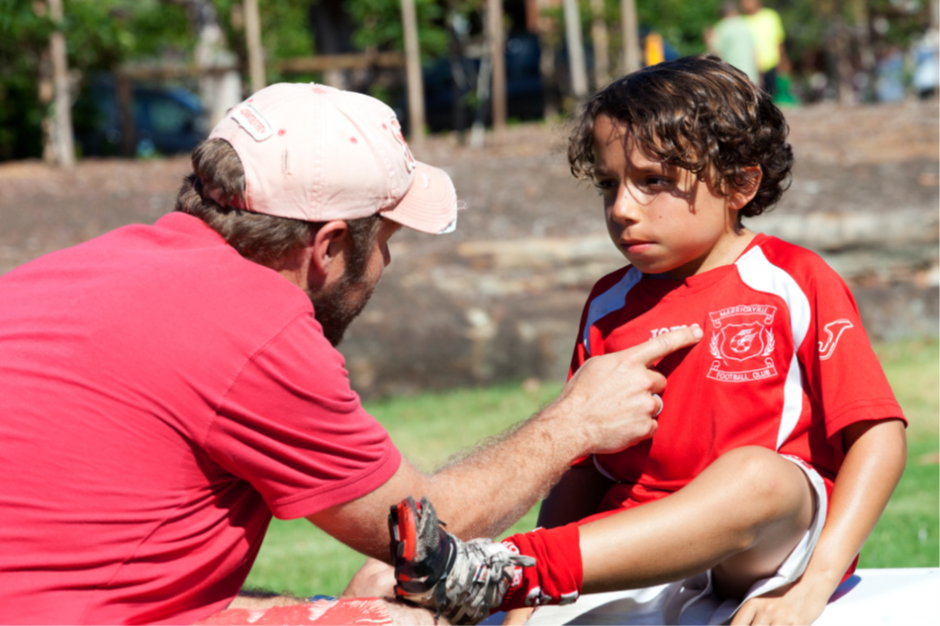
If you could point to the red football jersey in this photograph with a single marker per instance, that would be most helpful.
(784, 364)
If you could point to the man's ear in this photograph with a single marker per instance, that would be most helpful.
(744, 194)
(327, 252)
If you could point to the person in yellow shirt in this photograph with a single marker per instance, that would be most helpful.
(769, 36)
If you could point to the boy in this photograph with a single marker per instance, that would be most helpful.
(779, 440)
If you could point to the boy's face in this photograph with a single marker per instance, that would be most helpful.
(661, 218)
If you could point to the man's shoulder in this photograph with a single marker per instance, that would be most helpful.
(171, 279)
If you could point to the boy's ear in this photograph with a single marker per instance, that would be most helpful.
(744, 194)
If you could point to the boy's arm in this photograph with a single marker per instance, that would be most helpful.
(874, 462)
(576, 496)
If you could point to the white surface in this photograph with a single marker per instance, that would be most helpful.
(873, 596)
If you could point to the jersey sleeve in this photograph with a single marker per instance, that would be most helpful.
(844, 375)
(584, 348)
(291, 426)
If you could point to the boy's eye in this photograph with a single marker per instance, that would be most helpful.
(657, 182)
(604, 185)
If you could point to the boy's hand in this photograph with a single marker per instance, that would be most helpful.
(610, 400)
(874, 460)
(795, 603)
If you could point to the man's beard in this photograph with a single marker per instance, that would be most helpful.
(338, 306)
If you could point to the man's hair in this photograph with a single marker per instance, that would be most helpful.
(218, 182)
(698, 113)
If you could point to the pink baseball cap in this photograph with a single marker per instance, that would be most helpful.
(316, 153)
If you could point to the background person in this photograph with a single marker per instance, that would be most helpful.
(164, 389)
(769, 36)
(733, 40)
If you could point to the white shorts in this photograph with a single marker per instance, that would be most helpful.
(692, 601)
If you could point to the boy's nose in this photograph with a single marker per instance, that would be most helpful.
(626, 209)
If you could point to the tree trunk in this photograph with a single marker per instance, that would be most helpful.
(60, 146)
(575, 50)
(547, 30)
(601, 44)
(415, 81)
(843, 52)
(253, 42)
(494, 22)
(631, 37)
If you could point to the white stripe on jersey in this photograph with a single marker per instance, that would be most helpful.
(761, 275)
(608, 302)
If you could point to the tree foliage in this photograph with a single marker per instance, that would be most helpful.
(101, 34)
(381, 25)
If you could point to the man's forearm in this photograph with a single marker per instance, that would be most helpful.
(483, 492)
(480, 493)
(261, 599)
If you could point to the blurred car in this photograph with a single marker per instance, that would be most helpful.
(450, 87)
(167, 120)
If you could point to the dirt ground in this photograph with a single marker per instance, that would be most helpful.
(500, 298)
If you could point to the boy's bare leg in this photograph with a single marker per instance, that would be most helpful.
(514, 617)
(742, 516)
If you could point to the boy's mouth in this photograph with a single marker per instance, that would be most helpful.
(635, 246)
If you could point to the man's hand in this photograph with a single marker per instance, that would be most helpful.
(609, 401)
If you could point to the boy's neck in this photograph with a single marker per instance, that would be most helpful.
(726, 251)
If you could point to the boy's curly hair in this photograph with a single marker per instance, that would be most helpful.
(698, 113)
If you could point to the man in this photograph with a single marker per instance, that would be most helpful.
(164, 389)
(769, 35)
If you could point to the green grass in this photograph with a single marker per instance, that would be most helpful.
(297, 557)
(908, 533)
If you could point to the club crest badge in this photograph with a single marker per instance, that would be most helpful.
(742, 343)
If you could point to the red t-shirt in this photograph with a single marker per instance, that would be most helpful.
(160, 397)
(784, 364)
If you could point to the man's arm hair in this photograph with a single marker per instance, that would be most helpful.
(252, 598)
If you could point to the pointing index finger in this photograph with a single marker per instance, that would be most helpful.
(666, 343)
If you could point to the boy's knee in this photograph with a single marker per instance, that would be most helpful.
(770, 485)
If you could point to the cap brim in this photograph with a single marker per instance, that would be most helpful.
(430, 205)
